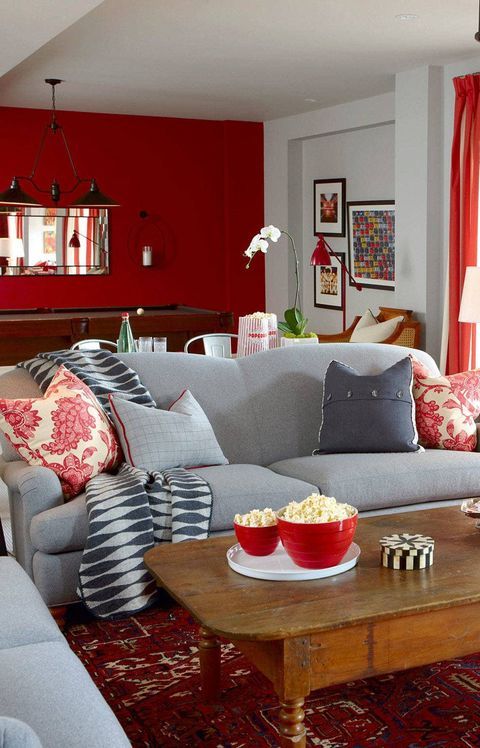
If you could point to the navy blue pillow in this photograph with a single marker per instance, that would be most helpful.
(374, 413)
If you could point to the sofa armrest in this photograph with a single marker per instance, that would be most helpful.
(17, 734)
(31, 490)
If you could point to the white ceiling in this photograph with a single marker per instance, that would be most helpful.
(222, 59)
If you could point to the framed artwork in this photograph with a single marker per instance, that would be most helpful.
(371, 243)
(329, 206)
(329, 285)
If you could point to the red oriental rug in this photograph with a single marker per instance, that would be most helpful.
(147, 669)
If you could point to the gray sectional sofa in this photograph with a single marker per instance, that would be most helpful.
(265, 410)
(47, 697)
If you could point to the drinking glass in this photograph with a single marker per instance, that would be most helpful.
(145, 344)
(160, 345)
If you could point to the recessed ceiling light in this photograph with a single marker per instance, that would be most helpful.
(311, 101)
(406, 17)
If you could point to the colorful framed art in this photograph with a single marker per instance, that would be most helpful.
(371, 243)
(329, 284)
(329, 206)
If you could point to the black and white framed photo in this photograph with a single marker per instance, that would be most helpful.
(329, 285)
(329, 206)
(371, 243)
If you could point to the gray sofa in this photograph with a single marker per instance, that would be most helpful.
(47, 697)
(265, 410)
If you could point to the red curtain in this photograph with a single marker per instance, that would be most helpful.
(463, 214)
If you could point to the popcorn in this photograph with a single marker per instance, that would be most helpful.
(261, 315)
(317, 508)
(257, 518)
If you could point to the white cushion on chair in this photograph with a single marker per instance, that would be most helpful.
(368, 330)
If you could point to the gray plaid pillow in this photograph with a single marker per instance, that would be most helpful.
(374, 413)
(155, 439)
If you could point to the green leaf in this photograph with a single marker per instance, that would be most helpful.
(283, 327)
(291, 317)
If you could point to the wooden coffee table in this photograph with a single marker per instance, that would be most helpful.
(307, 635)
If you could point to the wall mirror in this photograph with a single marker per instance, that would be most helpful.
(54, 241)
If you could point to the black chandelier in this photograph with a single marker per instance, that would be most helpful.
(15, 195)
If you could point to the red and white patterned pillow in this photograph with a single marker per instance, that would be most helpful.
(66, 430)
(446, 408)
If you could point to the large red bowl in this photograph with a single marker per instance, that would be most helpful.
(257, 541)
(317, 545)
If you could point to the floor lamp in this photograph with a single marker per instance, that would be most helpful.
(322, 255)
(470, 306)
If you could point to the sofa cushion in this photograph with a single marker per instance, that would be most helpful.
(47, 687)
(369, 330)
(65, 430)
(158, 439)
(240, 488)
(446, 408)
(380, 481)
(17, 592)
(235, 488)
(374, 413)
(17, 734)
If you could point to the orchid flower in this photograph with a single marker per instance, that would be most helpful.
(295, 322)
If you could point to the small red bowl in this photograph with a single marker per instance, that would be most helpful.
(257, 541)
(317, 545)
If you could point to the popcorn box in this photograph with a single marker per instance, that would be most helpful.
(253, 335)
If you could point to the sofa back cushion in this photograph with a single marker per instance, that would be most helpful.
(262, 408)
(266, 407)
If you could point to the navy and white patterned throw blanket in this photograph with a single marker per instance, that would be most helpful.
(132, 511)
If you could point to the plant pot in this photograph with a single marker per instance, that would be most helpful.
(298, 341)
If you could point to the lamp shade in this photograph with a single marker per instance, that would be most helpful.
(74, 240)
(470, 304)
(95, 199)
(321, 254)
(11, 248)
(16, 196)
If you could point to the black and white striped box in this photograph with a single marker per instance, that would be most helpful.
(407, 551)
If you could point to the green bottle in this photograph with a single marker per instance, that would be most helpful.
(126, 343)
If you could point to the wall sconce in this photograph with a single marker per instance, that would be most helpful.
(16, 196)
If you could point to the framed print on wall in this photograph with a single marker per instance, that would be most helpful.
(371, 243)
(329, 284)
(329, 206)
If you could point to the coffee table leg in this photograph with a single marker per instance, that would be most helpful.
(209, 652)
(291, 727)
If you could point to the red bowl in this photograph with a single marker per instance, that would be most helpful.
(257, 541)
(317, 545)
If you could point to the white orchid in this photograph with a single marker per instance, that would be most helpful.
(256, 245)
(295, 322)
(270, 232)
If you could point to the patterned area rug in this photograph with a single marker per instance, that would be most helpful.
(147, 669)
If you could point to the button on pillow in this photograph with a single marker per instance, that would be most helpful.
(155, 439)
(373, 413)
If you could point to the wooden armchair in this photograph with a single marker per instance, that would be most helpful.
(406, 333)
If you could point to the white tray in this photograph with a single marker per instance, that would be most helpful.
(279, 567)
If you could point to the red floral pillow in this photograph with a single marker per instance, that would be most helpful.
(66, 430)
(446, 408)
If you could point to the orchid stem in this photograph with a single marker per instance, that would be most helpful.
(297, 279)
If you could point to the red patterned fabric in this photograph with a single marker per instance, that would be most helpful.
(446, 408)
(464, 194)
(66, 430)
(147, 669)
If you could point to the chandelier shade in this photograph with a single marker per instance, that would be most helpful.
(15, 195)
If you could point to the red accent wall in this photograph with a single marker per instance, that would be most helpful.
(202, 183)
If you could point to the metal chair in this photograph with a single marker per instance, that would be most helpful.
(214, 344)
(92, 344)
